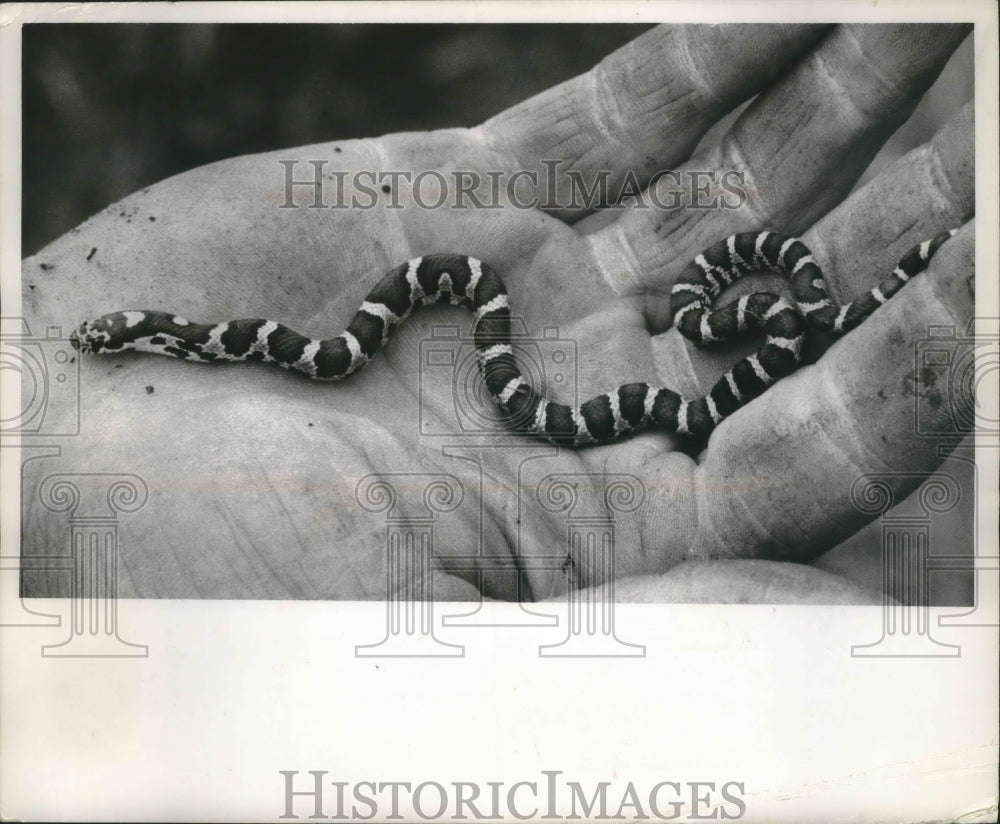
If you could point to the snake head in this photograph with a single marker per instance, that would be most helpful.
(86, 338)
(112, 332)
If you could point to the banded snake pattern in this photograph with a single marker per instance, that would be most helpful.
(470, 283)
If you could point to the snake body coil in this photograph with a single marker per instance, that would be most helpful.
(466, 281)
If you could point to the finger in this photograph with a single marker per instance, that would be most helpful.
(641, 109)
(778, 483)
(929, 189)
(744, 582)
(925, 192)
(800, 148)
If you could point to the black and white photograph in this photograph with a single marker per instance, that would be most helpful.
(581, 222)
(388, 391)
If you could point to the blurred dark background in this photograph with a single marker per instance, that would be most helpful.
(109, 109)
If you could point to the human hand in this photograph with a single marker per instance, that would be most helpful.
(253, 473)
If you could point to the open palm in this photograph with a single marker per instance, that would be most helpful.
(261, 482)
